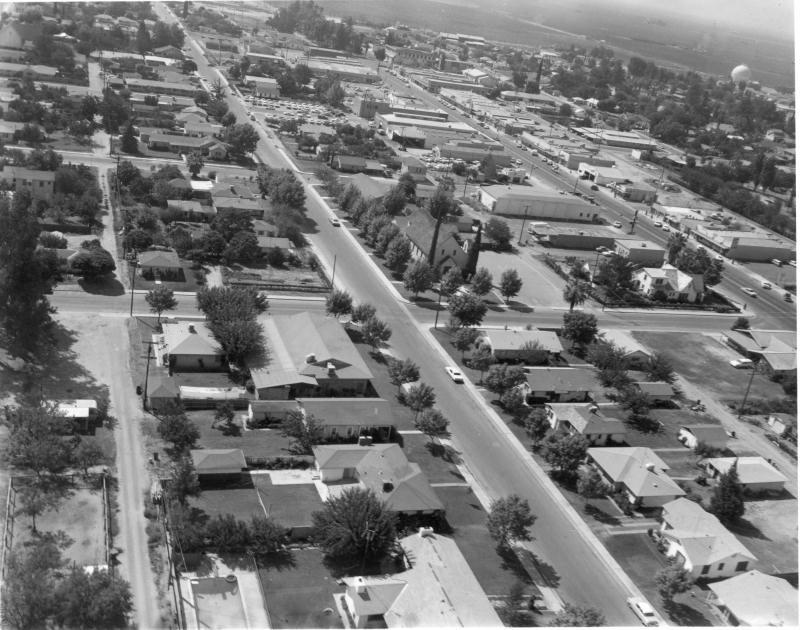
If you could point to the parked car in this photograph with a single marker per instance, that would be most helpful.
(335, 222)
(666, 228)
(657, 223)
(594, 187)
(787, 297)
(792, 263)
(740, 364)
(766, 285)
(749, 291)
(644, 611)
(777, 262)
(455, 374)
(617, 224)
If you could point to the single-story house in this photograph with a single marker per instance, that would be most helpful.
(169, 51)
(558, 384)
(638, 472)
(264, 228)
(700, 543)
(191, 209)
(656, 391)
(344, 418)
(515, 345)
(218, 465)
(713, 435)
(669, 283)
(414, 167)
(310, 356)
(776, 349)
(82, 413)
(218, 151)
(436, 590)
(587, 420)
(756, 474)
(163, 263)
(254, 208)
(637, 359)
(756, 599)
(382, 468)
(781, 423)
(271, 411)
(181, 144)
(189, 346)
(40, 184)
(198, 129)
(349, 163)
(266, 243)
(162, 392)
(187, 117)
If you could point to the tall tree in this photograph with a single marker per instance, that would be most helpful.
(26, 278)
(402, 372)
(175, 427)
(510, 519)
(503, 377)
(467, 309)
(195, 163)
(464, 339)
(29, 587)
(439, 205)
(419, 397)
(451, 281)
(580, 328)
(129, 142)
(575, 292)
(398, 253)
(161, 299)
(510, 284)
(482, 282)
(727, 501)
(418, 277)
(565, 452)
(660, 368)
(432, 423)
(92, 600)
(482, 360)
(354, 525)
(362, 312)
(339, 303)
(35, 440)
(375, 332)
(143, 39)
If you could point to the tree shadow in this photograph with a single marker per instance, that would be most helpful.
(431, 305)
(600, 515)
(519, 307)
(684, 615)
(109, 286)
(282, 560)
(745, 528)
(509, 561)
(494, 307)
(546, 571)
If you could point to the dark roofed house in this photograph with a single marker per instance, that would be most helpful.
(656, 391)
(160, 263)
(547, 384)
(161, 393)
(254, 208)
(39, 183)
(587, 420)
(345, 418)
(266, 243)
(451, 251)
(19, 35)
(180, 144)
(217, 465)
(349, 163)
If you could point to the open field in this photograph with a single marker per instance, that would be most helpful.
(769, 530)
(703, 360)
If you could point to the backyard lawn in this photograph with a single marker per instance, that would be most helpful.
(80, 517)
(703, 361)
(291, 505)
(241, 501)
(254, 443)
(300, 593)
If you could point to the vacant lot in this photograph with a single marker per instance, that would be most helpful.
(703, 361)
(80, 517)
(300, 592)
(769, 530)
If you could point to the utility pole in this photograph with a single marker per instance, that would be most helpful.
(333, 274)
(633, 223)
(132, 262)
(438, 306)
(522, 227)
(747, 391)
(147, 371)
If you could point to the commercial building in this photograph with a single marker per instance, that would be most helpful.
(265, 87)
(160, 87)
(614, 138)
(637, 192)
(756, 245)
(343, 69)
(640, 252)
(521, 201)
(588, 237)
(601, 175)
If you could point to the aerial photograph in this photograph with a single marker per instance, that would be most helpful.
(373, 314)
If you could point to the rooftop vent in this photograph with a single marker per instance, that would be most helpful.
(311, 357)
(425, 532)
(650, 466)
(388, 486)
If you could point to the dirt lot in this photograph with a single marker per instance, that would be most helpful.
(769, 530)
(703, 361)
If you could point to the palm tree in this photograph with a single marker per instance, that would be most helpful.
(576, 292)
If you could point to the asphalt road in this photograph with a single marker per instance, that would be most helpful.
(492, 456)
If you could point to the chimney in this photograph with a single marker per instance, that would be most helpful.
(594, 409)
(331, 369)
(388, 486)
(311, 357)
(192, 329)
(361, 588)
(650, 466)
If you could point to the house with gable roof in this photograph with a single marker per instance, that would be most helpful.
(451, 250)
(189, 346)
(700, 543)
(548, 384)
(713, 435)
(638, 472)
(669, 283)
(20, 35)
(311, 356)
(218, 465)
(437, 589)
(161, 263)
(513, 345)
(755, 599)
(382, 468)
(587, 420)
(755, 473)
(346, 418)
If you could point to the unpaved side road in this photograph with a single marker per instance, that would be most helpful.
(103, 350)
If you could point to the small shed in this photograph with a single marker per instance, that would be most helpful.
(713, 435)
(780, 423)
(161, 393)
(218, 465)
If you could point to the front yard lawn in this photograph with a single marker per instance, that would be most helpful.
(300, 593)
(435, 467)
(467, 518)
(189, 279)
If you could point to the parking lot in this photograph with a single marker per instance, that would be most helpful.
(277, 112)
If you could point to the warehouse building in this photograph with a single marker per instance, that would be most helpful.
(520, 201)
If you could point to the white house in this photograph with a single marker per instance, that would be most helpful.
(669, 283)
(755, 473)
(700, 543)
(587, 420)
(756, 599)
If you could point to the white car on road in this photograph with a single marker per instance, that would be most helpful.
(455, 374)
(741, 363)
(644, 611)
(749, 291)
